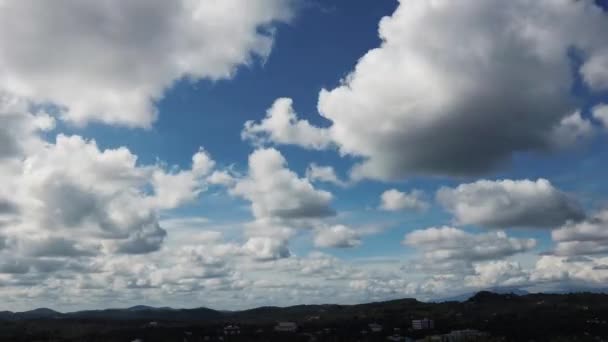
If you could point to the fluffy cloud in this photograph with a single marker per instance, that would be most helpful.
(338, 236)
(325, 174)
(69, 202)
(280, 203)
(595, 70)
(472, 104)
(445, 245)
(277, 192)
(600, 113)
(563, 273)
(110, 61)
(282, 126)
(510, 203)
(19, 125)
(497, 273)
(583, 238)
(395, 200)
(267, 248)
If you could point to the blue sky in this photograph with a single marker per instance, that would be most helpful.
(393, 149)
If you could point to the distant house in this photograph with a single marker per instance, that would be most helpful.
(152, 324)
(423, 324)
(286, 327)
(375, 327)
(230, 330)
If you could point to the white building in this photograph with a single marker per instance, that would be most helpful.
(286, 327)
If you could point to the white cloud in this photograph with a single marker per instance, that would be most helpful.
(510, 203)
(395, 200)
(338, 236)
(563, 273)
(68, 199)
(111, 61)
(587, 237)
(175, 188)
(325, 174)
(595, 70)
(221, 178)
(572, 129)
(19, 125)
(497, 274)
(600, 113)
(471, 104)
(277, 192)
(282, 126)
(266, 248)
(446, 244)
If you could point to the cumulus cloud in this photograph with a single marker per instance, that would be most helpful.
(561, 273)
(73, 204)
(587, 237)
(471, 104)
(497, 273)
(266, 248)
(595, 70)
(325, 174)
(221, 177)
(277, 192)
(510, 203)
(281, 202)
(282, 126)
(439, 94)
(111, 61)
(395, 200)
(600, 113)
(448, 244)
(19, 124)
(338, 236)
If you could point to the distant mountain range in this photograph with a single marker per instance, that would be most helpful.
(490, 301)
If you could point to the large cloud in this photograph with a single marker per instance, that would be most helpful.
(395, 200)
(69, 200)
(588, 237)
(486, 80)
(280, 202)
(510, 203)
(109, 61)
(338, 236)
(277, 192)
(446, 247)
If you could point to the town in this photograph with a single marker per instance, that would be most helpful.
(485, 316)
